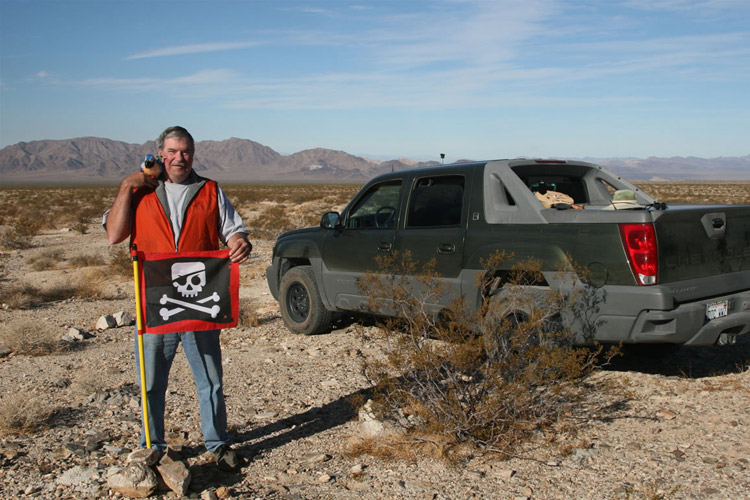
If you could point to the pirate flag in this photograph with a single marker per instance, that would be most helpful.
(188, 291)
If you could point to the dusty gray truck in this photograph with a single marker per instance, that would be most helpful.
(677, 274)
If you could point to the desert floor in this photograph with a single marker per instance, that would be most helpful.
(671, 428)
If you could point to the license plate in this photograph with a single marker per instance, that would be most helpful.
(717, 309)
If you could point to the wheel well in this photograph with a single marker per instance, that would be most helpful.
(290, 262)
(494, 281)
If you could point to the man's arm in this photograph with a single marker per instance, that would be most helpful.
(239, 247)
(118, 219)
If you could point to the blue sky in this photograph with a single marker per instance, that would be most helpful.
(386, 79)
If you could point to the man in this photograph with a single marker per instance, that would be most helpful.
(181, 212)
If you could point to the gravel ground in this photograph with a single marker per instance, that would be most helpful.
(673, 428)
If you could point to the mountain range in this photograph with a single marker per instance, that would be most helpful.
(100, 160)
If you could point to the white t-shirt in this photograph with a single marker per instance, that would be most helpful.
(229, 220)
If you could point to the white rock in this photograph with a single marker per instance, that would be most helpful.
(74, 334)
(78, 476)
(176, 476)
(369, 424)
(134, 481)
(105, 322)
(123, 318)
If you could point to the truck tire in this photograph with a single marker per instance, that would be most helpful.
(301, 306)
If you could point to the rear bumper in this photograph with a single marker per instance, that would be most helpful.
(623, 318)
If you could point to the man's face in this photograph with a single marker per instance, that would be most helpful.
(178, 158)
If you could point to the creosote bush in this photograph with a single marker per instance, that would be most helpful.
(30, 338)
(83, 260)
(87, 285)
(20, 414)
(483, 376)
(120, 261)
(20, 234)
(248, 315)
(47, 259)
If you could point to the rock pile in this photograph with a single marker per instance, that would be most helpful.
(147, 470)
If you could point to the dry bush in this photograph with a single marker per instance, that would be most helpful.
(271, 222)
(248, 315)
(31, 338)
(475, 378)
(48, 259)
(20, 234)
(120, 261)
(81, 225)
(87, 285)
(85, 261)
(18, 295)
(20, 414)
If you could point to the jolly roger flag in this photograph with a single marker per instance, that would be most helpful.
(188, 291)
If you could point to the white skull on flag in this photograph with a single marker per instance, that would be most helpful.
(189, 278)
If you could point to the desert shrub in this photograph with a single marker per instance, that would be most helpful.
(31, 338)
(48, 259)
(81, 226)
(18, 295)
(272, 221)
(80, 286)
(486, 379)
(120, 261)
(20, 414)
(85, 261)
(248, 315)
(20, 234)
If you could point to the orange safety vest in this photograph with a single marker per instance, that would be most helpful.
(152, 229)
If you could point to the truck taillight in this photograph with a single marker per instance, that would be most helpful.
(643, 253)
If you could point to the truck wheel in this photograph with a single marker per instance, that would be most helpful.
(301, 306)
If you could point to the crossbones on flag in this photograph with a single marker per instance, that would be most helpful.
(189, 291)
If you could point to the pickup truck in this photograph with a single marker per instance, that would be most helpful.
(677, 274)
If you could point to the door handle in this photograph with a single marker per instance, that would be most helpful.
(384, 246)
(446, 248)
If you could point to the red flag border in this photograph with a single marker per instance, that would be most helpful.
(187, 325)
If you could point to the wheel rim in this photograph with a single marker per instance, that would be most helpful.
(298, 302)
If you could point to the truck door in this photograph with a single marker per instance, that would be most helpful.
(369, 231)
(435, 227)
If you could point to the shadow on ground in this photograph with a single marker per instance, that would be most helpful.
(689, 362)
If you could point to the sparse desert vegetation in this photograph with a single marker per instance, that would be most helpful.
(664, 428)
(733, 193)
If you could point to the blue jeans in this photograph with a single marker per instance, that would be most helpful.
(203, 353)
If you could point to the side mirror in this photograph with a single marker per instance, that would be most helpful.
(330, 220)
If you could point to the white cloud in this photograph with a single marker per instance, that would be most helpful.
(197, 48)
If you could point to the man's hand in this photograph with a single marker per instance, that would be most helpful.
(239, 247)
(139, 180)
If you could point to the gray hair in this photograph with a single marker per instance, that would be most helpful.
(175, 131)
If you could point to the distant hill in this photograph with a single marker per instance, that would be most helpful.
(99, 160)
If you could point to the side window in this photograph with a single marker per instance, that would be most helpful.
(436, 201)
(377, 208)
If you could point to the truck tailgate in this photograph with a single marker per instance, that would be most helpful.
(700, 241)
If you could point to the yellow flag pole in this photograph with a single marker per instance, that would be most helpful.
(139, 326)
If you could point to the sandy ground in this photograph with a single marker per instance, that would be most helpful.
(675, 427)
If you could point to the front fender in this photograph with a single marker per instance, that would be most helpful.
(298, 249)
